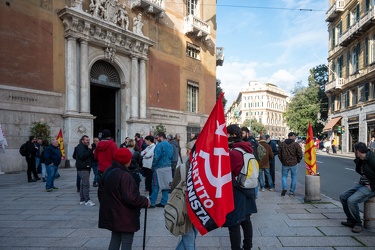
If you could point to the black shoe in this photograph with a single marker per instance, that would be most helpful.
(78, 190)
(159, 205)
(37, 178)
(32, 180)
(347, 223)
(44, 179)
(283, 193)
(94, 184)
(152, 206)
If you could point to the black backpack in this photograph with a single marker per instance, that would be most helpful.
(23, 149)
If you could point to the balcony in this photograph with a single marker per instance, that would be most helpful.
(334, 50)
(335, 84)
(357, 29)
(197, 27)
(155, 7)
(335, 10)
(219, 56)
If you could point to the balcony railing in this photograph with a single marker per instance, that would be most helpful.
(334, 50)
(219, 56)
(335, 84)
(357, 29)
(196, 26)
(156, 7)
(335, 9)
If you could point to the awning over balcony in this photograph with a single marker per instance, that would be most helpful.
(331, 124)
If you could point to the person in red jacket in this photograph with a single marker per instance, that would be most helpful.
(104, 151)
(121, 204)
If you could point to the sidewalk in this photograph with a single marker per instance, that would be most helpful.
(31, 218)
(338, 154)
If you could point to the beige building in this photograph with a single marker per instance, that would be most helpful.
(88, 65)
(351, 60)
(263, 102)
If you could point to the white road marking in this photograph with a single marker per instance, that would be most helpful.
(350, 169)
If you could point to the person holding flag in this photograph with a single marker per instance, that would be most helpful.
(244, 199)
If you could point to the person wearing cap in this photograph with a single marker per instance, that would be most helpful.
(104, 151)
(121, 202)
(290, 154)
(363, 190)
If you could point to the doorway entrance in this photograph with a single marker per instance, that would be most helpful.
(104, 98)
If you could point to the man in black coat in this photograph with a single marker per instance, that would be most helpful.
(31, 150)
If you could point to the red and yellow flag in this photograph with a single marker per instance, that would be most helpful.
(310, 153)
(60, 139)
(209, 193)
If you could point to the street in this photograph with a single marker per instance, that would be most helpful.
(336, 174)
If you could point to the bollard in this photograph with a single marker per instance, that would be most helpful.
(312, 188)
(369, 213)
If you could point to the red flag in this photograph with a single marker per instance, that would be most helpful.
(60, 139)
(209, 193)
(310, 153)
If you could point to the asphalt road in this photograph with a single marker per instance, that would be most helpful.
(336, 174)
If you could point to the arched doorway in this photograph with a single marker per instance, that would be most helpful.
(104, 98)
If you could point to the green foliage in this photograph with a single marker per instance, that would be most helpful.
(219, 90)
(307, 102)
(254, 126)
(160, 128)
(40, 130)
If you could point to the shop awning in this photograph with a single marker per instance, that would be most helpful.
(331, 124)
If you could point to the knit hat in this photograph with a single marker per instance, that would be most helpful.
(106, 133)
(122, 155)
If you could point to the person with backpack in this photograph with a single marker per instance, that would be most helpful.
(244, 198)
(264, 165)
(30, 154)
(290, 154)
(259, 150)
(272, 161)
(136, 162)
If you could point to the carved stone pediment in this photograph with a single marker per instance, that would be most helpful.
(105, 34)
(155, 7)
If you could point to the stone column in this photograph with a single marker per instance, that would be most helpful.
(134, 88)
(142, 88)
(84, 75)
(71, 76)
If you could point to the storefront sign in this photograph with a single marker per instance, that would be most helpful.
(353, 119)
(370, 116)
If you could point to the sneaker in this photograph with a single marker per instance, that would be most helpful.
(291, 194)
(90, 203)
(357, 229)
(159, 205)
(347, 223)
(283, 193)
(49, 190)
(55, 188)
(272, 189)
(262, 190)
(81, 202)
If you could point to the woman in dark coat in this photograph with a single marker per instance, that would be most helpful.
(120, 201)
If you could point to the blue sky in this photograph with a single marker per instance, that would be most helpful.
(270, 45)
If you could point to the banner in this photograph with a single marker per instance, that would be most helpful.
(310, 153)
(209, 193)
(3, 140)
(60, 139)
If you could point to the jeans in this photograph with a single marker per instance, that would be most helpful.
(44, 171)
(84, 185)
(51, 172)
(148, 180)
(187, 241)
(293, 173)
(125, 240)
(350, 200)
(94, 166)
(272, 172)
(235, 235)
(155, 191)
(37, 162)
(268, 177)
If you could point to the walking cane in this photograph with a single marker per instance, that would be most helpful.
(144, 230)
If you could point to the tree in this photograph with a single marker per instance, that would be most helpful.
(40, 130)
(219, 90)
(254, 126)
(159, 128)
(307, 102)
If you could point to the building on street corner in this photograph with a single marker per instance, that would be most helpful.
(351, 61)
(89, 65)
